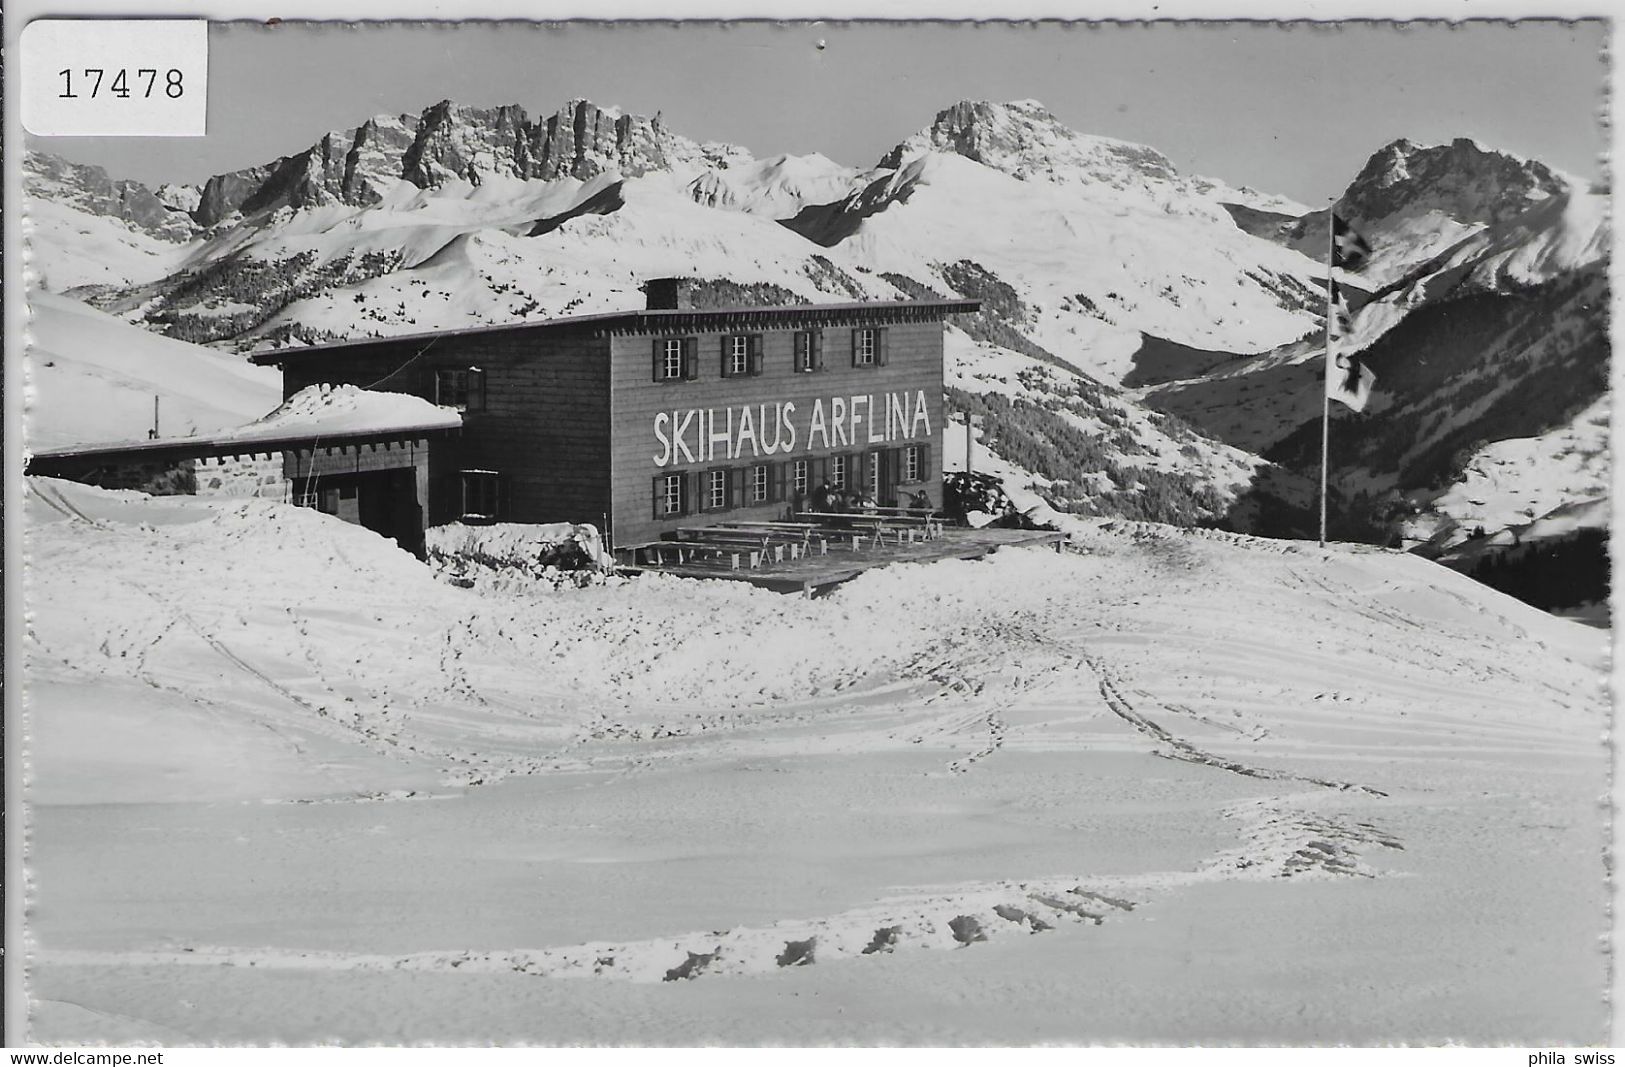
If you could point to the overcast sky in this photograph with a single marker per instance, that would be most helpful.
(1288, 109)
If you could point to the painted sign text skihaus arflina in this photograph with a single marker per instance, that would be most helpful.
(704, 435)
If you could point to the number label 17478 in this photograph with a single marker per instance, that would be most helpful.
(121, 85)
(115, 77)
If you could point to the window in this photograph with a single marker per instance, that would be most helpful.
(911, 463)
(869, 347)
(863, 352)
(669, 496)
(675, 359)
(809, 349)
(741, 355)
(837, 471)
(460, 388)
(874, 475)
(480, 494)
(716, 489)
(798, 477)
(760, 484)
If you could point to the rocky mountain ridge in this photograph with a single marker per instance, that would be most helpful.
(451, 142)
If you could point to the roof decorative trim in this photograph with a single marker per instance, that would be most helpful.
(665, 321)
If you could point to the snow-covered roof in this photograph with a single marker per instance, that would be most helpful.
(345, 410)
(317, 413)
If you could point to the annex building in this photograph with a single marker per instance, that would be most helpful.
(641, 421)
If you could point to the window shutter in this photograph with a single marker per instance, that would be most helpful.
(693, 499)
(660, 360)
(756, 353)
(817, 472)
(691, 359)
(660, 495)
(856, 336)
(817, 341)
(780, 476)
(882, 353)
(925, 463)
(727, 369)
(476, 389)
(736, 487)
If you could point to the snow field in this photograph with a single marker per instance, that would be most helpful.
(398, 810)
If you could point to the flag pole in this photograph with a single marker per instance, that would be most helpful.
(1325, 396)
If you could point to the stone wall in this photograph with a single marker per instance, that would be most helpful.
(240, 476)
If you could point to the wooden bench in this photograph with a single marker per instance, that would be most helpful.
(664, 553)
(878, 526)
(758, 543)
(926, 517)
(811, 539)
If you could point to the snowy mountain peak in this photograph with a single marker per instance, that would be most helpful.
(1463, 181)
(1023, 139)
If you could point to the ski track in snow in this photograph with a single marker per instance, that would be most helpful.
(977, 679)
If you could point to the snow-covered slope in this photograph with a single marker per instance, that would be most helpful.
(93, 378)
(1512, 482)
(778, 188)
(287, 788)
(1096, 264)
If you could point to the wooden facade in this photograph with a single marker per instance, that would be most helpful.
(639, 422)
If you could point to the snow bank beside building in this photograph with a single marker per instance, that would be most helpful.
(547, 551)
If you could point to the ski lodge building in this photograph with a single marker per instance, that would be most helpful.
(637, 422)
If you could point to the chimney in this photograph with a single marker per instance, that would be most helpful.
(669, 294)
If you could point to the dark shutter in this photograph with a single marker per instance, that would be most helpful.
(857, 336)
(691, 359)
(736, 487)
(817, 342)
(727, 362)
(882, 353)
(779, 480)
(660, 360)
(660, 496)
(756, 353)
(476, 389)
(892, 462)
(925, 463)
(693, 495)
